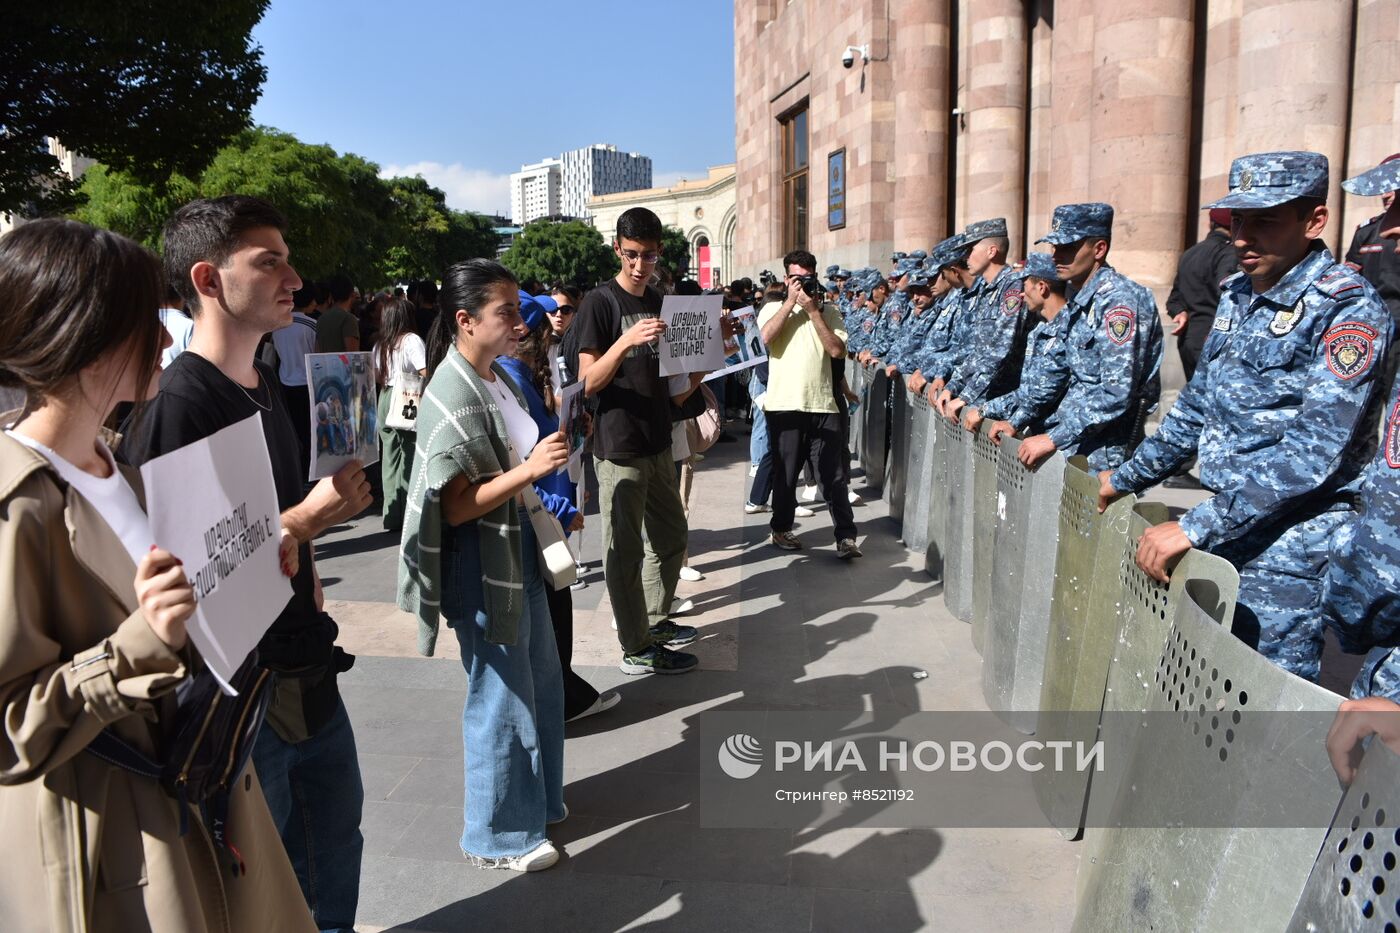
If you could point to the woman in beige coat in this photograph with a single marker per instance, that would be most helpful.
(90, 638)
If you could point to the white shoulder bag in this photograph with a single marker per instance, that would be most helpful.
(556, 560)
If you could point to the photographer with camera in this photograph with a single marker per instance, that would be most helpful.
(804, 334)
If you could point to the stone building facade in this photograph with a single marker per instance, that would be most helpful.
(957, 110)
(704, 209)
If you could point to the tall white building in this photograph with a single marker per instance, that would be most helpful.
(598, 170)
(535, 191)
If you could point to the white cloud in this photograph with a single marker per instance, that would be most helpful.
(467, 189)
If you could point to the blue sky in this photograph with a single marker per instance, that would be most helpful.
(466, 92)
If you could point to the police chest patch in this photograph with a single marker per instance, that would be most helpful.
(1349, 348)
(1119, 323)
(1222, 323)
(1284, 321)
(1392, 438)
(1011, 303)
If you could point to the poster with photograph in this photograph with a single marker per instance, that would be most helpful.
(745, 348)
(573, 422)
(227, 536)
(344, 416)
(693, 341)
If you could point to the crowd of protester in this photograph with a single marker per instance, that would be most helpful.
(98, 678)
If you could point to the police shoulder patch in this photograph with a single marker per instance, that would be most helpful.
(1011, 302)
(1286, 319)
(867, 325)
(1120, 322)
(1349, 348)
(1392, 438)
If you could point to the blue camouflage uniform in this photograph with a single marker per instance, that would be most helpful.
(1281, 414)
(936, 358)
(1000, 325)
(860, 321)
(915, 329)
(1361, 595)
(1114, 355)
(1032, 407)
(892, 315)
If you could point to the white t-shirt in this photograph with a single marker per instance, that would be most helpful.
(112, 496)
(409, 356)
(293, 342)
(181, 330)
(519, 425)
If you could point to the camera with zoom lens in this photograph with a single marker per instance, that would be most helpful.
(811, 285)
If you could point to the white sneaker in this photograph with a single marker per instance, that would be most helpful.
(855, 499)
(539, 858)
(605, 702)
(809, 493)
(753, 508)
(691, 575)
(680, 607)
(803, 512)
(753, 469)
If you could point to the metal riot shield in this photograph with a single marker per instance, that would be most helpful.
(876, 429)
(897, 462)
(935, 555)
(1023, 578)
(1080, 641)
(958, 557)
(919, 475)
(984, 518)
(1354, 883)
(1149, 875)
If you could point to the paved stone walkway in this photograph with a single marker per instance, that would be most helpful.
(780, 631)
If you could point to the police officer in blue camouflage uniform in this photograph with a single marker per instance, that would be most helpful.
(860, 321)
(892, 312)
(1362, 593)
(1281, 411)
(1031, 407)
(993, 364)
(952, 332)
(924, 290)
(939, 335)
(1115, 346)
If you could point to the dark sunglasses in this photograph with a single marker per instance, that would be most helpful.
(564, 309)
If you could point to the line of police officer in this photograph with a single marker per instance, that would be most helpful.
(1065, 352)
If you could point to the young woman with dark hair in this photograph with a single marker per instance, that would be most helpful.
(400, 352)
(470, 555)
(529, 367)
(92, 621)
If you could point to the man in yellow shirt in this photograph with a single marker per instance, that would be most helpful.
(804, 336)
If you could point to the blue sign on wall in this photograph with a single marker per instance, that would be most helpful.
(836, 189)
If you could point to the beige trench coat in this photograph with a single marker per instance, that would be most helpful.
(86, 845)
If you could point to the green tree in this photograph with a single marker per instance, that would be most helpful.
(145, 86)
(675, 251)
(570, 252)
(115, 200)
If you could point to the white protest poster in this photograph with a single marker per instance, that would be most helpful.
(574, 424)
(693, 341)
(344, 417)
(213, 504)
(745, 348)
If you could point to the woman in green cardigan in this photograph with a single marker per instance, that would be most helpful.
(469, 554)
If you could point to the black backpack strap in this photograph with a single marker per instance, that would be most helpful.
(113, 750)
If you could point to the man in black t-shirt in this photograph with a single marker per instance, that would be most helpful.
(227, 258)
(618, 326)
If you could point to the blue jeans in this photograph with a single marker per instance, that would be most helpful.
(513, 721)
(314, 791)
(758, 436)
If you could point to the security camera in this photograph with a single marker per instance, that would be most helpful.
(848, 58)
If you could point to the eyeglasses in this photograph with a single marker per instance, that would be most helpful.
(564, 309)
(646, 259)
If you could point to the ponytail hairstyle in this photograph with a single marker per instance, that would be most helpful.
(466, 286)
